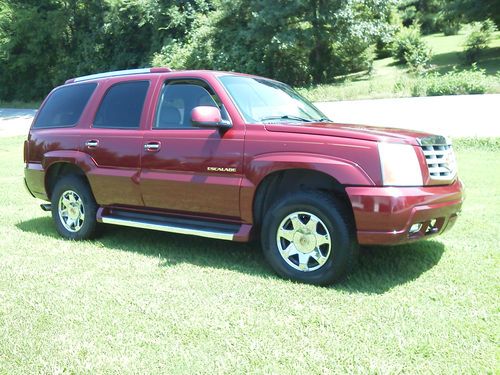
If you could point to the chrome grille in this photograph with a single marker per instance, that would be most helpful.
(440, 158)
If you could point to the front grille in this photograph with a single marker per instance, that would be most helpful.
(440, 161)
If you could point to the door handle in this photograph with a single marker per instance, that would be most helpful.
(152, 146)
(92, 143)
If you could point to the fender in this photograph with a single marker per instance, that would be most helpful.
(35, 173)
(72, 157)
(78, 158)
(344, 171)
(98, 177)
(257, 169)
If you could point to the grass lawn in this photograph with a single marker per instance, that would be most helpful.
(447, 53)
(137, 301)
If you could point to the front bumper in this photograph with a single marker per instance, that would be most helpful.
(384, 215)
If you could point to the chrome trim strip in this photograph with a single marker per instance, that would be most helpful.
(168, 228)
(113, 74)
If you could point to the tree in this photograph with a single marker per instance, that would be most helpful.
(298, 41)
(45, 42)
(475, 10)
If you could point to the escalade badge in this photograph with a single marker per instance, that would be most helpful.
(221, 169)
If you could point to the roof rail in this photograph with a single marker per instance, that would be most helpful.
(118, 73)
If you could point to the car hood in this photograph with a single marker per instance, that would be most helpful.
(369, 133)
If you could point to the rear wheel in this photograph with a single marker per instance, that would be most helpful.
(74, 208)
(310, 237)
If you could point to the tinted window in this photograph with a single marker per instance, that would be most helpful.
(178, 99)
(65, 106)
(122, 105)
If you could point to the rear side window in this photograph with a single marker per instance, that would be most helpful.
(64, 106)
(122, 105)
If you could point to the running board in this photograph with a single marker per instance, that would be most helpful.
(46, 207)
(162, 223)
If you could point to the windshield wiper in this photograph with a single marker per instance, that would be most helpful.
(323, 119)
(286, 117)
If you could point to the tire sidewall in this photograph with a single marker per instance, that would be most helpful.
(81, 188)
(341, 250)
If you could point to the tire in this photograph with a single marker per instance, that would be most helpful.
(310, 237)
(74, 208)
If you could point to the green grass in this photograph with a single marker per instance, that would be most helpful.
(389, 79)
(136, 301)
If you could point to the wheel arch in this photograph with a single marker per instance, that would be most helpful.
(282, 182)
(60, 169)
(63, 163)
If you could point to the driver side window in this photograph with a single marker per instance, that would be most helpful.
(177, 100)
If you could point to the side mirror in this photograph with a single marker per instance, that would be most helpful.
(208, 117)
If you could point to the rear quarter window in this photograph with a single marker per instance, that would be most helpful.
(122, 105)
(64, 106)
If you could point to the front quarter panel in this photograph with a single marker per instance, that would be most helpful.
(349, 161)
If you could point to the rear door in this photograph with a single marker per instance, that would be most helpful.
(114, 141)
(187, 169)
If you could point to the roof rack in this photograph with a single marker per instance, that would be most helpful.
(118, 73)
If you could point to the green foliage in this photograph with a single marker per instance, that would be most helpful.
(476, 143)
(409, 47)
(427, 13)
(474, 10)
(478, 39)
(473, 81)
(299, 41)
(43, 43)
(451, 27)
(447, 15)
(418, 56)
(302, 42)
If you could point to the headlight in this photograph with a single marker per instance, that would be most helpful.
(400, 166)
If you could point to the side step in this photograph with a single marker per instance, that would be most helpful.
(221, 231)
(46, 207)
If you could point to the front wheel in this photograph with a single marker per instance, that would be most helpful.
(74, 208)
(310, 237)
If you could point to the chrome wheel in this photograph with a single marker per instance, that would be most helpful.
(71, 211)
(304, 241)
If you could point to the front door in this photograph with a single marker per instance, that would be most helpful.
(186, 169)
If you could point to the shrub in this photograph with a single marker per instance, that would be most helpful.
(473, 81)
(409, 47)
(485, 144)
(478, 39)
(418, 57)
(451, 27)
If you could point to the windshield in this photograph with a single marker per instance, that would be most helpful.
(265, 101)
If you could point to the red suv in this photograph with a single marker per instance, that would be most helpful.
(235, 157)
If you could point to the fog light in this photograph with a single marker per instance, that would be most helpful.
(415, 228)
(431, 228)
